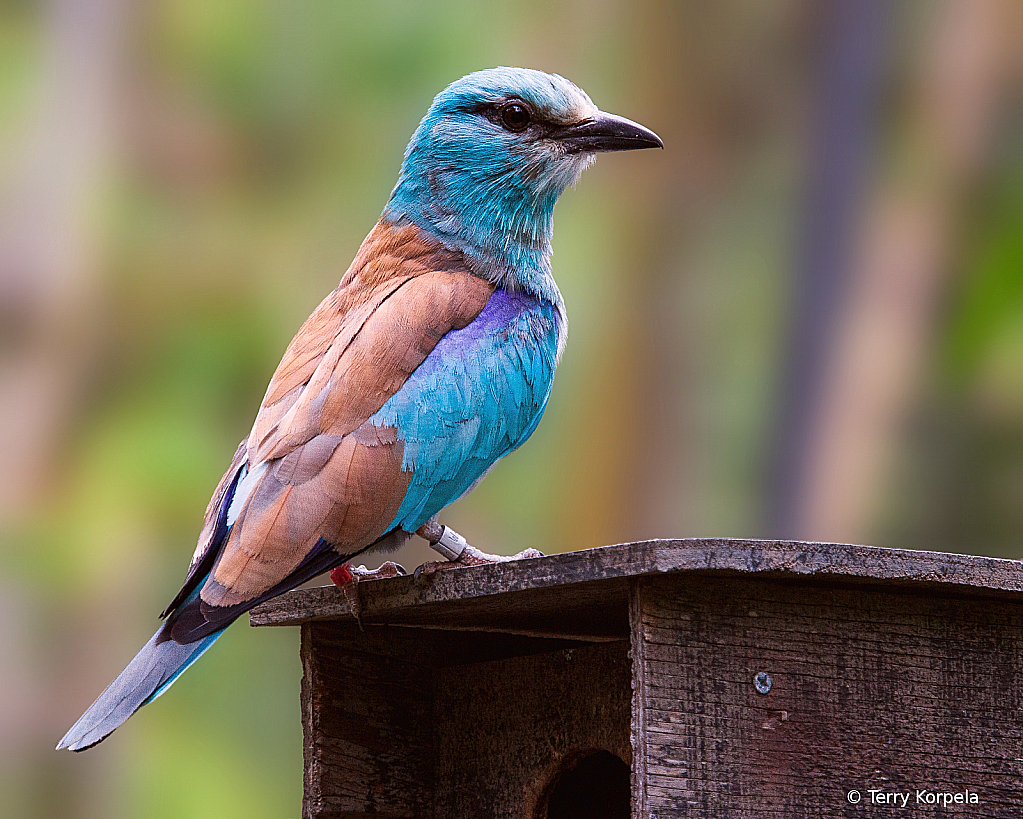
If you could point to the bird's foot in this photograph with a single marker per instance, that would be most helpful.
(471, 556)
(347, 577)
(458, 552)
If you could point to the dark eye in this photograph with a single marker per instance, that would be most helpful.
(515, 117)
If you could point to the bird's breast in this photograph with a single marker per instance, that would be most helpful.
(482, 389)
(477, 396)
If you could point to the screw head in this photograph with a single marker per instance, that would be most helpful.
(762, 682)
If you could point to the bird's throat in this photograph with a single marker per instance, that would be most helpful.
(505, 242)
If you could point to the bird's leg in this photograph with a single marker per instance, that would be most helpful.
(457, 551)
(347, 577)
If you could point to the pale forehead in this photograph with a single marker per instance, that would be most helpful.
(550, 93)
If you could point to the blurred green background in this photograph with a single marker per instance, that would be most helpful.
(803, 318)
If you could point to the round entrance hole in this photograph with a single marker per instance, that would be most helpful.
(595, 786)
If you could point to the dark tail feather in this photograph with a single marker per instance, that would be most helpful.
(163, 659)
(160, 662)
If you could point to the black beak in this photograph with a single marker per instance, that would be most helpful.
(606, 132)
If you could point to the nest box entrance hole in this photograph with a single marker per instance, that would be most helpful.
(595, 783)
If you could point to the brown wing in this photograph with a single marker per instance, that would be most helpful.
(315, 468)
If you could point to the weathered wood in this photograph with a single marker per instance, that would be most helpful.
(439, 599)
(403, 722)
(367, 730)
(504, 728)
(890, 670)
(889, 690)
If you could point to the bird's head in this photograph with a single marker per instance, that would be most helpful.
(486, 165)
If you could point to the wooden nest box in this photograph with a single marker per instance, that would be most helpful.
(690, 678)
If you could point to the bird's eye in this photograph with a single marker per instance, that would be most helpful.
(515, 117)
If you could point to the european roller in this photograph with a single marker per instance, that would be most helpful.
(431, 360)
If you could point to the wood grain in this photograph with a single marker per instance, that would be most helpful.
(893, 671)
(366, 722)
(888, 690)
(404, 599)
(506, 728)
(400, 722)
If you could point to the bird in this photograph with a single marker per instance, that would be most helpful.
(431, 360)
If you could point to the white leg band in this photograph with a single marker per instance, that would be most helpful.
(451, 544)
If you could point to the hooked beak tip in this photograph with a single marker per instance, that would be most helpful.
(607, 132)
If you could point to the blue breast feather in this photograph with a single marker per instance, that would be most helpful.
(475, 398)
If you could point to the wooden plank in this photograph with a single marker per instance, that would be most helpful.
(506, 728)
(894, 671)
(367, 728)
(510, 595)
(887, 689)
(434, 648)
(593, 610)
(640, 705)
(402, 722)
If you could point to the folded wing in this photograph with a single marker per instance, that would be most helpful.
(316, 482)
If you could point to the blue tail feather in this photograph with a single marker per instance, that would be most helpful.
(155, 667)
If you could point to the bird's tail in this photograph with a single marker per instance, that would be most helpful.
(160, 662)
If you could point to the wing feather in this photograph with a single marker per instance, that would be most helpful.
(324, 476)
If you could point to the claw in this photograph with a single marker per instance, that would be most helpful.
(386, 569)
(471, 556)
